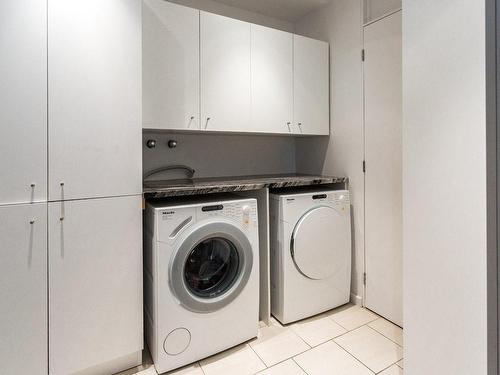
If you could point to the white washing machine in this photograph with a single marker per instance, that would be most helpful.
(310, 253)
(201, 277)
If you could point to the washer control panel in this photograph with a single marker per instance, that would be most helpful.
(239, 212)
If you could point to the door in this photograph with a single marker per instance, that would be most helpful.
(211, 267)
(23, 289)
(95, 98)
(171, 66)
(311, 86)
(23, 101)
(383, 178)
(225, 73)
(272, 80)
(95, 288)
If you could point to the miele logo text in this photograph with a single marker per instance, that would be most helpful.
(168, 212)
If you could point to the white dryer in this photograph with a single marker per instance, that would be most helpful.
(201, 277)
(310, 253)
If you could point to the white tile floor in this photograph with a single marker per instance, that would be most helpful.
(349, 340)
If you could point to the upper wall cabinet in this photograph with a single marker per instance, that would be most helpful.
(205, 72)
(311, 86)
(225, 73)
(95, 95)
(23, 101)
(272, 81)
(171, 66)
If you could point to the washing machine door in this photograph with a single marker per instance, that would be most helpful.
(316, 241)
(211, 267)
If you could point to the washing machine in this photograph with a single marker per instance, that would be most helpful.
(201, 277)
(310, 252)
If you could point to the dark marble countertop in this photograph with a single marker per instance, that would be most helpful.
(170, 188)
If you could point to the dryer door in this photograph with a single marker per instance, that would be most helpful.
(317, 243)
(211, 267)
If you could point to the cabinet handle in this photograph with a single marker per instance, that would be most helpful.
(32, 221)
(206, 124)
(61, 218)
(61, 184)
(300, 127)
(32, 186)
(190, 121)
(289, 129)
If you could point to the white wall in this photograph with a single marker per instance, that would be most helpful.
(221, 155)
(377, 8)
(444, 187)
(340, 24)
(233, 12)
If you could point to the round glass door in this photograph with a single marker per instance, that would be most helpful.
(211, 267)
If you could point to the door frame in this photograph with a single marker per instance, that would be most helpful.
(492, 9)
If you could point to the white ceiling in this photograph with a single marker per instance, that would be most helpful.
(287, 10)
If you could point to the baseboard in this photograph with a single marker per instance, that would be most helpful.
(357, 300)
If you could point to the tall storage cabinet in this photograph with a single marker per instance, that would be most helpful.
(23, 181)
(70, 108)
(95, 182)
(23, 289)
(23, 101)
(171, 66)
(95, 93)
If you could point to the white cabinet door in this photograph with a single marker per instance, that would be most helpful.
(383, 179)
(171, 66)
(23, 289)
(272, 80)
(311, 86)
(23, 101)
(95, 285)
(94, 98)
(225, 73)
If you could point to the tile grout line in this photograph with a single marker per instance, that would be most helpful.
(388, 338)
(394, 363)
(354, 329)
(258, 356)
(312, 347)
(388, 367)
(352, 355)
(293, 359)
(286, 359)
(349, 330)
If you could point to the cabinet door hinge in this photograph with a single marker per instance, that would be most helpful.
(364, 278)
(362, 55)
(364, 166)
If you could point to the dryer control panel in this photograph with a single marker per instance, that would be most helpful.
(292, 206)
